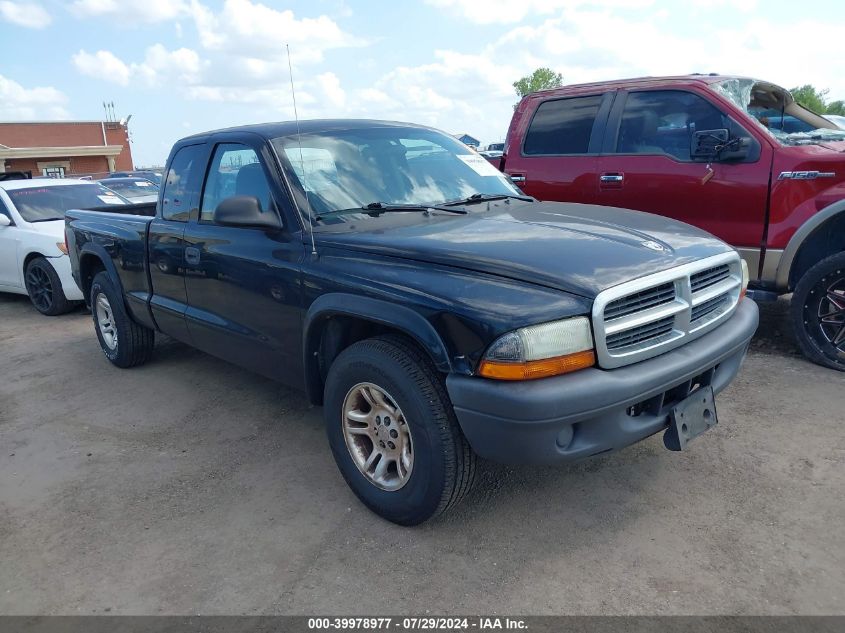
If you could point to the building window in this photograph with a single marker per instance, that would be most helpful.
(55, 171)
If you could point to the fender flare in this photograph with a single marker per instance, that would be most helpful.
(96, 250)
(380, 311)
(800, 237)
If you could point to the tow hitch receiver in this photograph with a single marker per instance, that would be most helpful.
(691, 417)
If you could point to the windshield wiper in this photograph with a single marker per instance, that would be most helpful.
(375, 209)
(486, 197)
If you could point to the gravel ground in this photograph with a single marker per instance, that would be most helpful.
(192, 486)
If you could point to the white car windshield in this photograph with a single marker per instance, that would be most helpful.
(132, 188)
(46, 203)
(347, 170)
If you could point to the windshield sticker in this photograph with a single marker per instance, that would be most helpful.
(480, 165)
(110, 199)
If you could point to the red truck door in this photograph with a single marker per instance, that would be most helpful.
(552, 154)
(645, 165)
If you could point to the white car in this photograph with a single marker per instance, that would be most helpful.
(33, 256)
(136, 190)
(836, 119)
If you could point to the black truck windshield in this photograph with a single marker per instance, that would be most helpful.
(45, 203)
(346, 170)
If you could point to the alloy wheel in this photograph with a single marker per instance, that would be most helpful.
(105, 321)
(377, 436)
(40, 287)
(831, 314)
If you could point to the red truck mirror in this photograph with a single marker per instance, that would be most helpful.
(717, 145)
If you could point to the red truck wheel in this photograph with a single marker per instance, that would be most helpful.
(818, 312)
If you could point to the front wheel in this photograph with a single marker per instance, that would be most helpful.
(124, 342)
(818, 312)
(393, 432)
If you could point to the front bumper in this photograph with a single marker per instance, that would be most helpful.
(594, 411)
(61, 264)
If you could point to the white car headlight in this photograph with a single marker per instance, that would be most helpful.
(538, 351)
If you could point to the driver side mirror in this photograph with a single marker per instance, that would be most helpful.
(717, 145)
(4, 220)
(245, 211)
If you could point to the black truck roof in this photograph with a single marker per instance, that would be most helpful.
(288, 128)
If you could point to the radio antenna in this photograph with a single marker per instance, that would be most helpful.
(301, 160)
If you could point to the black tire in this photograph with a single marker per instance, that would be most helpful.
(45, 288)
(127, 344)
(818, 312)
(443, 465)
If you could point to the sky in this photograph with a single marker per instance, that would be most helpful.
(186, 66)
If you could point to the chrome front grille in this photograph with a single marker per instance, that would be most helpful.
(649, 298)
(707, 308)
(653, 314)
(636, 335)
(700, 281)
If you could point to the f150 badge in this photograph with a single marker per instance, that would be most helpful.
(805, 175)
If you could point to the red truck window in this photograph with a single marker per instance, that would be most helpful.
(562, 126)
(662, 122)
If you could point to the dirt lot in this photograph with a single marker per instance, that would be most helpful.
(192, 486)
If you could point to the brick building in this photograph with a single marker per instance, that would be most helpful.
(65, 148)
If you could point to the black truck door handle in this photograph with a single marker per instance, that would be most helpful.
(192, 255)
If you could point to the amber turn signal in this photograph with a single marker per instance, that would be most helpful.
(529, 370)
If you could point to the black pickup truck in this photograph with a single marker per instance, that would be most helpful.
(436, 312)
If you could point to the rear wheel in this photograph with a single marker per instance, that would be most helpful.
(818, 312)
(393, 432)
(124, 342)
(45, 288)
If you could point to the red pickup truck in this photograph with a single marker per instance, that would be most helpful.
(735, 156)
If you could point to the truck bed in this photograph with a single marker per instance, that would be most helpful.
(120, 239)
(141, 208)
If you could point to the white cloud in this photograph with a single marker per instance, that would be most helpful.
(508, 12)
(18, 103)
(28, 14)
(132, 11)
(103, 65)
(330, 87)
(182, 65)
(252, 29)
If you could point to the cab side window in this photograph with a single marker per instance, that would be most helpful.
(235, 170)
(178, 189)
(663, 122)
(562, 126)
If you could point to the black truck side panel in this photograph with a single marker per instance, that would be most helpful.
(117, 243)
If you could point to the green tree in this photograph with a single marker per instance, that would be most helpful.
(836, 107)
(540, 79)
(811, 98)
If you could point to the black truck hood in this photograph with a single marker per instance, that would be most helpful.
(578, 248)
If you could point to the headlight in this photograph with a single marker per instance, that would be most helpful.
(62, 247)
(549, 349)
(745, 278)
